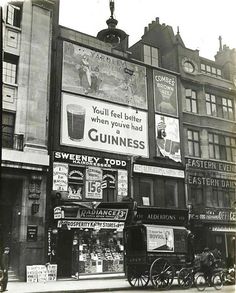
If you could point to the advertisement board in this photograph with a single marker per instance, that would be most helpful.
(165, 93)
(160, 239)
(98, 75)
(167, 137)
(103, 126)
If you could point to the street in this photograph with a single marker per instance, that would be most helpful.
(228, 289)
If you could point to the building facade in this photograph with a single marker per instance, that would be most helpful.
(207, 98)
(27, 33)
(93, 128)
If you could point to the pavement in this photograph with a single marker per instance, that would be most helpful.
(70, 285)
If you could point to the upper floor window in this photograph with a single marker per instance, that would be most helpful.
(193, 143)
(222, 147)
(189, 67)
(13, 15)
(10, 63)
(8, 125)
(219, 107)
(206, 68)
(191, 100)
(222, 197)
(150, 55)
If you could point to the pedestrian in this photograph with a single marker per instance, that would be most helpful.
(4, 267)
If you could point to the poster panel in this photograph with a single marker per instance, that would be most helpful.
(93, 183)
(95, 74)
(165, 93)
(94, 124)
(60, 176)
(167, 137)
(160, 239)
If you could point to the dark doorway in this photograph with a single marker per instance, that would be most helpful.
(64, 253)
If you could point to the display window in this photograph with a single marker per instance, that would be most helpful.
(97, 251)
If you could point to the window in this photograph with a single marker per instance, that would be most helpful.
(191, 100)
(10, 68)
(13, 15)
(146, 191)
(212, 70)
(219, 107)
(171, 193)
(193, 143)
(196, 195)
(150, 55)
(222, 197)
(8, 125)
(222, 147)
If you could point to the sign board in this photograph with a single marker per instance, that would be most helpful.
(103, 126)
(32, 233)
(41, 273)
(60, 176)
(103, 214)
(158, 171)
(91, 224)
(93, 183)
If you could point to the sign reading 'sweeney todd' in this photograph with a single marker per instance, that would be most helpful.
(93, 124)
(98, 75)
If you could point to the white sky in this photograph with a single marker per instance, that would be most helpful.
(201, 22)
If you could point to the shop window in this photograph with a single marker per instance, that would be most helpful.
(150, 55)
(10, 68)
(171, 193)
(222, 147)
(8, 125)
(193, 143)
(212, 70)
(221, 107)
(13, 15)
(191, 100)
(97, 251)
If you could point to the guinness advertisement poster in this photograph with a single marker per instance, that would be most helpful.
(103, 126)
(98, 75)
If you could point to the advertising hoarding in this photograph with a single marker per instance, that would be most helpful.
(103, 126)
(98, 75)
(160, 239)
(167, 137)
(165, 93)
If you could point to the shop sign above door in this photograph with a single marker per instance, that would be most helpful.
(87, 160)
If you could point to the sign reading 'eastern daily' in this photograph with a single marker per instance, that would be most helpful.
(103, 126)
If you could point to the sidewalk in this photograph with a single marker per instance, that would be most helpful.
(68, 285)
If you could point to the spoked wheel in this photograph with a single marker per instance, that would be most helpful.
(217, 281)
(200, 282)
(161, 274)
(138, 278)
(185, 278)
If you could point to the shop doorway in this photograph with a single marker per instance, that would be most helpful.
(64, 253)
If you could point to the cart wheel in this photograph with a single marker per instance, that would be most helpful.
(185, 278)
(200, 282)
(217, 281)
(161, 274)
(138, 278)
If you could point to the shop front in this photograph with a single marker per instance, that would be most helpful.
(89, 213)
(90, 239)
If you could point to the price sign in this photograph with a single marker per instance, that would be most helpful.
(93, 183)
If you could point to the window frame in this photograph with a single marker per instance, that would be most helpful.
(10, 68)
(216, 107)
(8, 136)
(191, 101)
(193, 143)
(150, 58)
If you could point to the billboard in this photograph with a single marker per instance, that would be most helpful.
(97, 125)
(165, 93)
(167, 137)
(98, 75)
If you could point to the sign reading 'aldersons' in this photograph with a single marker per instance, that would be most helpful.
(103, 126)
